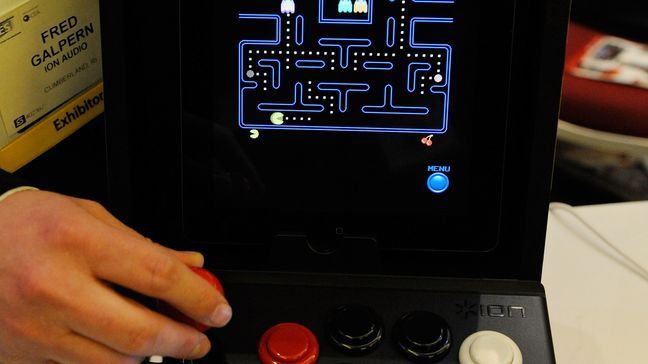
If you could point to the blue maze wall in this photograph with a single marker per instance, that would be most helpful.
(346, 66)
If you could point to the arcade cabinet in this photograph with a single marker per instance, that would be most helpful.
(369, 179)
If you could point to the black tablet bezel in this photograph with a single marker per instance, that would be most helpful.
(141, 46)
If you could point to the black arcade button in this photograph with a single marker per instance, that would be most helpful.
(423, 337)
(356, 330)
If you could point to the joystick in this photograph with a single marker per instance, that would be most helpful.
(489, 347)
(423, 337)
(288, 343)
(356, 330)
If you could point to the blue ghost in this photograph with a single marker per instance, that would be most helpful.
(345, 6)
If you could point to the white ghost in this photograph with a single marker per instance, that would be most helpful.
(287, 6)
(360, 6)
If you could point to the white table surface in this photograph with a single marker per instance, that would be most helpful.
(598, 308)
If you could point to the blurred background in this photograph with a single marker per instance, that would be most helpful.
(602, 154)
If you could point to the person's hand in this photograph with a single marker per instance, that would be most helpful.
(58, 257)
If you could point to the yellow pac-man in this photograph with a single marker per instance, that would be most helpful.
(277, 118)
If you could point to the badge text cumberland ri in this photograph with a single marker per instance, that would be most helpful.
(77, 111)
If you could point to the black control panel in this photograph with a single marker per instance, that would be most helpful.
(377, 320)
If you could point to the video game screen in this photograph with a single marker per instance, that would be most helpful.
(380, 119)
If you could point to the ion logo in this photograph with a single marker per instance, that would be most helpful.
(6, 27)
(22, 120)
(467, 309)
(502, 311)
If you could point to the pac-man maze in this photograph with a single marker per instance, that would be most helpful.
(345, 65)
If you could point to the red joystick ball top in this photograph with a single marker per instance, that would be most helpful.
(288, 344)
(179, 316)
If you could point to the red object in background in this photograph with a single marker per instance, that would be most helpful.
(173, 313)
(600, 105)
(288, 344)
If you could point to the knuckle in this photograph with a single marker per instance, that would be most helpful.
(207, 299)
(28, 285)
(107, 320)
(19, 328)
(94, 205)
(163, 271)
(187, 346)
(55, 229)
(140, 341)
(34, 286)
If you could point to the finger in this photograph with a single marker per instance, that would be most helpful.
(192, 259)
(99, 212)
(189, 258)
(74, 349)
(130, 328)
(147, 268)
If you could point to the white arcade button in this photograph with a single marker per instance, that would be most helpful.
(489, 347)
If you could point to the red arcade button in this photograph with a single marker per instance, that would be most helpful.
(288, 344)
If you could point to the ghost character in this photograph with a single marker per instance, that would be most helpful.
(360, 6)
(287, 6)
(345, 6)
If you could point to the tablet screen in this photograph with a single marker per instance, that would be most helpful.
(381, 119)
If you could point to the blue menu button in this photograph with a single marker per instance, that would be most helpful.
(438, 183)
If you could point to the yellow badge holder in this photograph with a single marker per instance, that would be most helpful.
(50, 75)
(52, 129)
